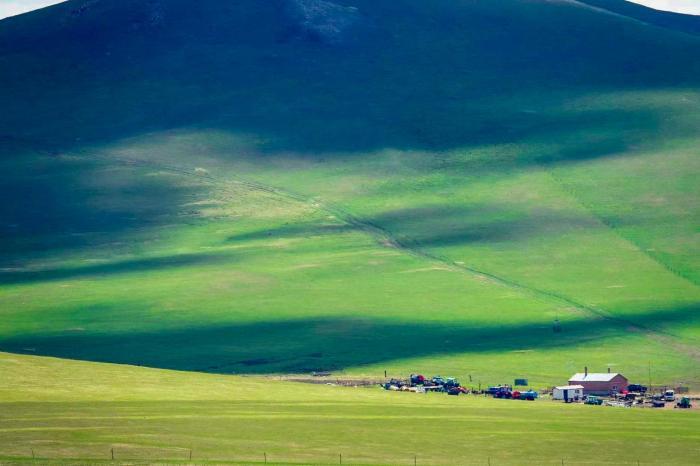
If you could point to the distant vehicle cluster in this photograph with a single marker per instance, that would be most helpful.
(420, 384)
(614, 389)
(507, 392)
(608, 389)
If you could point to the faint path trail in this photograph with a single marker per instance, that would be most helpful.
(387, 238)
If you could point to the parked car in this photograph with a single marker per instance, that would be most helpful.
(529, 395)
(593, 400)
(670, 395)
(503, 392)
(657, 401)
(636, 388)
(495, 390)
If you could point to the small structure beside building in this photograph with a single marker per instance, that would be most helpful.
(568, 393)
(599, 383)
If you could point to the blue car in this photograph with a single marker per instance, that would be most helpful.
(529, 395)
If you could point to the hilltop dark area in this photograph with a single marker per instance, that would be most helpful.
(689, 24)
(315, 75)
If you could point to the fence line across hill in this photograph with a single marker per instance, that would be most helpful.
(114, 457)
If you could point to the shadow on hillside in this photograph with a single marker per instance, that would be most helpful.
(324, 343)
(152, 264)
(62, 203)
(443, 225)
(449, 226)
(413, 227)
(300, 230)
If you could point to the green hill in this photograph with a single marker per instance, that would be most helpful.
(359, 186)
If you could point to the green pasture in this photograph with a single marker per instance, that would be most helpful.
(200, 199)
(77, 412)
(195, 249)
(220, 190)
(214, 267)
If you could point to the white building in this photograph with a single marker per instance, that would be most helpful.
(568, 392)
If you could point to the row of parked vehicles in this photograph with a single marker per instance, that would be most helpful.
(451, 386)
(669, 396)
(421, 384)
(637, 394)
(507, 392)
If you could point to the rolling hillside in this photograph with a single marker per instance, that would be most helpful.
(358, 186)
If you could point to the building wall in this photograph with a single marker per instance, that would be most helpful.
(618, 383)
(573, 394)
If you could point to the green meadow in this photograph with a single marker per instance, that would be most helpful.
(364, 265)
(241, 190)
(78, 412)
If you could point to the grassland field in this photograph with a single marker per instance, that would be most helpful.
(354, 265)
(221, 199)
(71, 412)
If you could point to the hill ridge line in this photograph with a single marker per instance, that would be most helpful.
(388, 237)
(640, 21)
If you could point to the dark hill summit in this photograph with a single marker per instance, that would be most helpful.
(689, 24)
(315, 74)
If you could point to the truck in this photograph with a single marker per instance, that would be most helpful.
(669, 395)
(503, 391)
(529, 395)
(496, 389)
(456, 390)
(684, 403)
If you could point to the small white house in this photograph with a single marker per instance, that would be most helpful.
(568, 392)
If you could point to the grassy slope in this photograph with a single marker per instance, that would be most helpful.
(567, 185)
(154, 414)
(286, 287)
